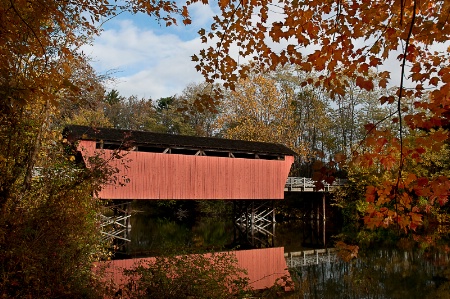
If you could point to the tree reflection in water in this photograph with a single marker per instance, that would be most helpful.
(153, 236)
(384, 273)
(376, 273)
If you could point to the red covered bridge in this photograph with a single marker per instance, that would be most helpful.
(265, 267)
(159, 166)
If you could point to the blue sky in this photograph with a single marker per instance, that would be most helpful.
(148, 59)
(151, 61)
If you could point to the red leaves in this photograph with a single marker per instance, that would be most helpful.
(383, 153)
(369, 127)
(318, 60)
(404, 204)
(434, 81)
(223, 3)
(421, 182)
(370, 194)
(440, 136)
(387, 99)
(364, 84)
(346, 251)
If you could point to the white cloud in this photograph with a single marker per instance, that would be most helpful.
(201, 15)
(147, 64)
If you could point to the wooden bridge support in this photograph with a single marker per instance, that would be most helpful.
(254, 222)
(115, 223)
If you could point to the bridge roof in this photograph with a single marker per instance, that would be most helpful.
(141, 138)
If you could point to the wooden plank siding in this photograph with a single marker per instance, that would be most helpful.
(162, 176)
(264, 267)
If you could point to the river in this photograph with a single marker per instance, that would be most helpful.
(376, 273)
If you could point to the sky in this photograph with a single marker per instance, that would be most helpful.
(147, 59)
(151, 61)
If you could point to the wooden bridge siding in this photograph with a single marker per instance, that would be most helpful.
(264, 267)
(172, 176)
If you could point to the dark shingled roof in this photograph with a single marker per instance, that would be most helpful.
(141, 138)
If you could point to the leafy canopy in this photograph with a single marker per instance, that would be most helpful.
(358, 40)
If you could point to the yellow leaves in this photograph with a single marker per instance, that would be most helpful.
(256, 110)
(340, 157)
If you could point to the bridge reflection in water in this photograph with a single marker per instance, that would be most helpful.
(310, 257)
(264, 267)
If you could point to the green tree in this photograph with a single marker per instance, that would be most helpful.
(131, 113)
(113, 97)
(201, 115)
(171, 118)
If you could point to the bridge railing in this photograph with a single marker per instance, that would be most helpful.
(310, 257)
(302, 184)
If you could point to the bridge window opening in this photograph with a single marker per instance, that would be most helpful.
(270, 157)
(151, 149)
(108, 145)
(184, 151)
(187, 151)
(200, 153)
(217, 154)
(244, 155)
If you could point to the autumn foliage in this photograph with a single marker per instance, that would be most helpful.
(48, 226)
(260, 110)
(402, 43)
(397, 44)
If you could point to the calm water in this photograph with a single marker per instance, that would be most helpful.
(152, 235)
(380, 273)
(376, 273)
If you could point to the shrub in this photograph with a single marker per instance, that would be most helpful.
(187, 276)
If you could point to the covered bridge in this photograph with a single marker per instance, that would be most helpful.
(158, 166)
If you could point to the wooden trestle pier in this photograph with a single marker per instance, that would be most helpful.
(155, 166)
